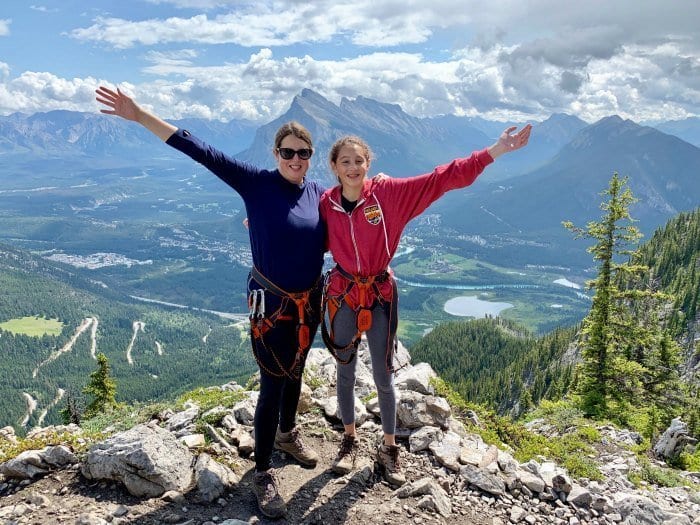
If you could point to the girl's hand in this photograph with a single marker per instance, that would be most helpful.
(508, 142)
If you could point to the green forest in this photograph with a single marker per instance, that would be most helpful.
(650, 343)
(50, 311)
(172, 351)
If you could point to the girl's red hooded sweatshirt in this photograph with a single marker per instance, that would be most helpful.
(364, 241)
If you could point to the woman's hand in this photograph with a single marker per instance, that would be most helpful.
(124, 106)
(509, 142)
(118, 103)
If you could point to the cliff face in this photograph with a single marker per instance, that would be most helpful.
(194, 466)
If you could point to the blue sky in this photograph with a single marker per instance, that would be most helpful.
(222, 59)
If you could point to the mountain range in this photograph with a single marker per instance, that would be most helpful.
(663, 173)
(559, 176)
(403, 144)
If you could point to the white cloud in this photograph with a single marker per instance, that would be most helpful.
(366, 22)
(511, 60)
(40, 91)
(394, 22)
(197, 4)
(5, 26)
(503, 83)
(43, 9)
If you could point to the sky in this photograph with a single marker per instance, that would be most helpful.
(235, 59)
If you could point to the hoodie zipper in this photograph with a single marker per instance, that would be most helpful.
(339, 208)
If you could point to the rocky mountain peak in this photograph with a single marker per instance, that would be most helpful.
(194, 466)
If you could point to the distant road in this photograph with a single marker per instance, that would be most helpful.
(225, 315)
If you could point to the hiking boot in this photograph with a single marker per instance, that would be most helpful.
(291, 443)
(270, 502)
(388, 459)
(344, 461)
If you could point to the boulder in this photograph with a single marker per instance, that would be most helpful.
(135, 458)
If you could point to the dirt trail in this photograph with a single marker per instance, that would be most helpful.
(68, 346)
(31, 407)
(93, 338)
(59, 395)
(138, 325)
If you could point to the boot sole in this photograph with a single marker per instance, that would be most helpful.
(272, 515)
(341, 471)
(383, 470)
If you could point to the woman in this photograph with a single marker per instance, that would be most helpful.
(287, 240)
(365, 219)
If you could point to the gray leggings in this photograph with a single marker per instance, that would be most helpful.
(344, 328)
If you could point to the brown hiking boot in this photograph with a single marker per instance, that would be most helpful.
(291, 443)
(344, 461)
(388, 459)
(270, 502)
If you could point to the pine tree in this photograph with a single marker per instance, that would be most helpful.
(102, 387)
(72, 412)
(612, 234)
(629, 356)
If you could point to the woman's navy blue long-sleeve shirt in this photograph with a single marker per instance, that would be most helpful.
(287, 235)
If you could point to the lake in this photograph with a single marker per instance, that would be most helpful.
(472, 306)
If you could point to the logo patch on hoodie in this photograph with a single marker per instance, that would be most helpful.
(373, 214)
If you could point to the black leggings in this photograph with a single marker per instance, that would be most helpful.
(277, 405)
(279, 393)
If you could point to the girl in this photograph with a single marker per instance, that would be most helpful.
(365, 218)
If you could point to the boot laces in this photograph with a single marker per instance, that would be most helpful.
(267, 479)
(394, 461)
(296, 439)
(346, 446)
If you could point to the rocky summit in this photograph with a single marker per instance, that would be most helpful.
(194, 467)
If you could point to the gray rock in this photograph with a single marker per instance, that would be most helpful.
(213, 479)
(8, 434)
(182, 420)
(423, 437)
(32, 463)
(448, 450)
(673, 440)
(638, 510)
(484, 480)
(561, 483)
(532, 481)
(416, 378)
(438, 500)
(245, 410)
(136, 458)
(579, 496)
(416, 410)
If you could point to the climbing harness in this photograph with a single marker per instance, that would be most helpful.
(363, 312)
(260, 323)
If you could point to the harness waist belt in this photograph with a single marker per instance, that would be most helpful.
(381, 277)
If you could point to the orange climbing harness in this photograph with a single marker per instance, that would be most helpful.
(363, 312)
(260, 323)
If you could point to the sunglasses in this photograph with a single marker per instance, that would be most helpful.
(288, 153)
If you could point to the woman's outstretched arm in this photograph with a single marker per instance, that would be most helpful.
(125, 107)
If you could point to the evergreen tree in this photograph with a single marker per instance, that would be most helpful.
(629, 356)
(72, 412)
(612, 234)
(102, 387)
